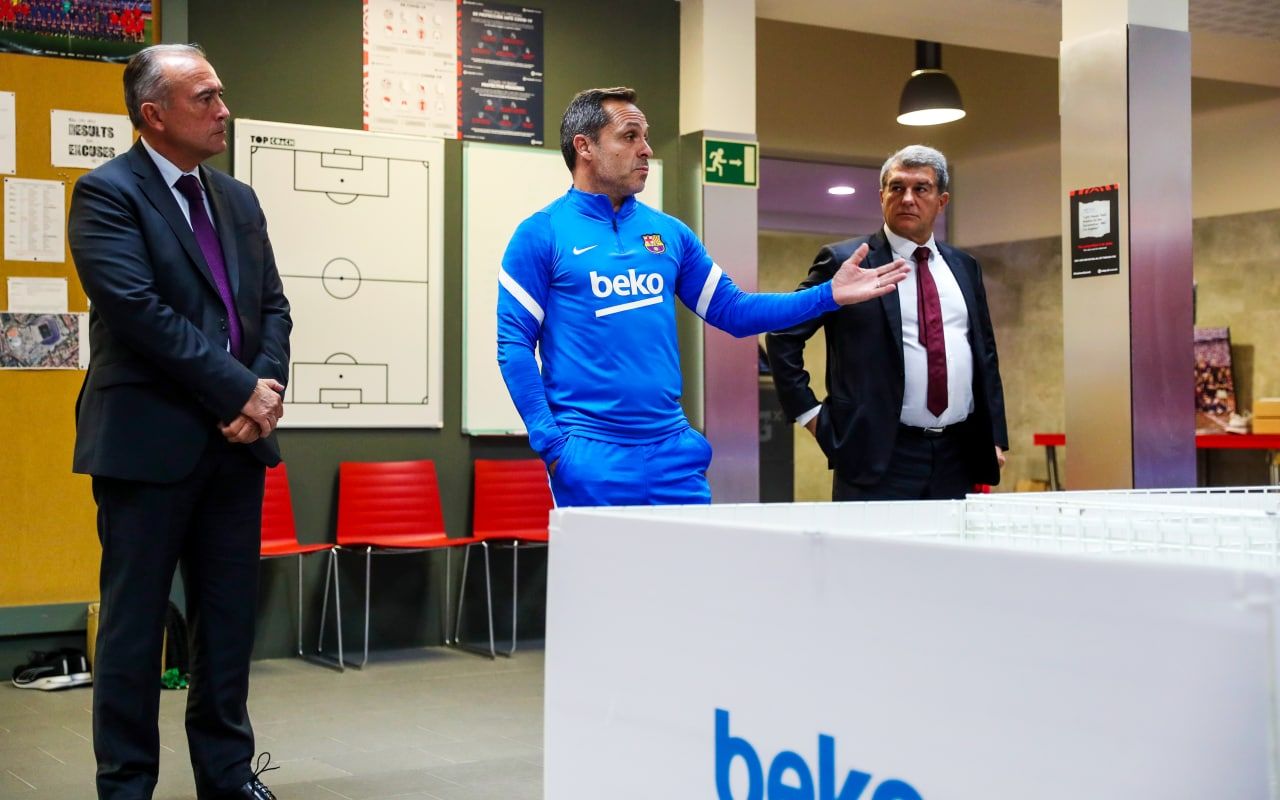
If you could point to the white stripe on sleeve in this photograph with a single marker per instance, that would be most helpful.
(522, 297)
(708, 289)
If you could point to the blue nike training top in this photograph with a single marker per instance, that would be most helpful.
(595, 289)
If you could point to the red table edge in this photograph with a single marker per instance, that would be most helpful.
(1204, 441)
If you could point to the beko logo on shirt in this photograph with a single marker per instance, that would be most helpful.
(790, 776)
(632, 284)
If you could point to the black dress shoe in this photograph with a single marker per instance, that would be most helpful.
(253, 790)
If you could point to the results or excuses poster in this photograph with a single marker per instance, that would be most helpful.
(1095, 231)
(500, 73)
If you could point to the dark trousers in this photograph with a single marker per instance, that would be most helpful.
(923, 467)
(209, 522)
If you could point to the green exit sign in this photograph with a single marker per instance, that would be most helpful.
(727, 162)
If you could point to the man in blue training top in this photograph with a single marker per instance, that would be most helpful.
(592, 279)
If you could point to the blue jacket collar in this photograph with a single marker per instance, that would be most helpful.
(599, 206)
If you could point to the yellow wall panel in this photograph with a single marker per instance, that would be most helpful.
(48, 540)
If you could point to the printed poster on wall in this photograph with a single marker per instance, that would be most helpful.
(83, 140)
(411, 66)
(44, 341)
(453, 69)
(103, 30)
(500, 85)
(1095, 231)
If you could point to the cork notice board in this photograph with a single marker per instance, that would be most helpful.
(47, 529)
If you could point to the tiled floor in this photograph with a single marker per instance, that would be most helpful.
(413, 725)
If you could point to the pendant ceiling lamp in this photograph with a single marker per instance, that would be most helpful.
(930, 96)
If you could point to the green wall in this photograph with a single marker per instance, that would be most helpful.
(300, 63)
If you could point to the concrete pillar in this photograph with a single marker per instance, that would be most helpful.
(1125, 101)
(718, 100)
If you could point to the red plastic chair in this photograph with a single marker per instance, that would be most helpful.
(512, 505)
(391, 508)
(280, 536)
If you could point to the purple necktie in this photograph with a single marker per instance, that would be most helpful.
(929, 313)
(207, 237)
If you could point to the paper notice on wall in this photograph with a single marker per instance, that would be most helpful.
(35, 219)
(410, 67)
(1095, 219)
(38, 295)
(8, 134)
(1095, 231)
(44, 341)
(84, 140)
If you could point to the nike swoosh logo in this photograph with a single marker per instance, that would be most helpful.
(577, 251)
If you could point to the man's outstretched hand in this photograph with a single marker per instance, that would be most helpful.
(853, 284)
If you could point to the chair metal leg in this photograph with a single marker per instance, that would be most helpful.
(299, 605)
(462, 593)
(516, 547)
(324, 605)
(448, 593)
(331, 570)
(515, 583)
(337, 610)
(488, 591)
(368, 573)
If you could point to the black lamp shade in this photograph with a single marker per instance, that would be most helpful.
(930, 96)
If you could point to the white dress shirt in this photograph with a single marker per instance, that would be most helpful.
(170, 173)
(955, 329)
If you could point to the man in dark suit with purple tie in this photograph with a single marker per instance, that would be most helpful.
(189, 342)
(915, 406)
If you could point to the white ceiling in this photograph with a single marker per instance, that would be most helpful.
(1233, 40)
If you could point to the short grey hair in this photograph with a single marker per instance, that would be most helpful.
(919, 155)
(144, 78)
(585, 115)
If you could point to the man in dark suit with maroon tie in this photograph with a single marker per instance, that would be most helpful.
(189, 337)
(914, 407)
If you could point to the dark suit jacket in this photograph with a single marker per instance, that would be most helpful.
(858, 423)
(160, 377)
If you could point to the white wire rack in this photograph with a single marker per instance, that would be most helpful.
(1233, 527)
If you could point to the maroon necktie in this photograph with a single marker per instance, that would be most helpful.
(207, 238)
(929, 313)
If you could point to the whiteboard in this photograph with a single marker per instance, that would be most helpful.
(502, 186)
(357, 225)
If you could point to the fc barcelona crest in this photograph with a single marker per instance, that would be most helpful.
(653, 243)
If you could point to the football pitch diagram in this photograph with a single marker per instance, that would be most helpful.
(355, 220)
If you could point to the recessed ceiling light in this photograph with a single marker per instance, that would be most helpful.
(841, 190)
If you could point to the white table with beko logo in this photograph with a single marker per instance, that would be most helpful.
(1035, 647)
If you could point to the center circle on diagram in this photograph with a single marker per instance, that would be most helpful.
(341, 278)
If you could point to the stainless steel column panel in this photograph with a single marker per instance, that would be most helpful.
(1095, 311)
(731, 403)
(1160, 261)
(1126, 119)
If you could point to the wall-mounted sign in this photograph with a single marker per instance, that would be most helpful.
(83, 140)
(456, 69)
(411, 67)
(1095, 231)
(500, 73)
(729, 162)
